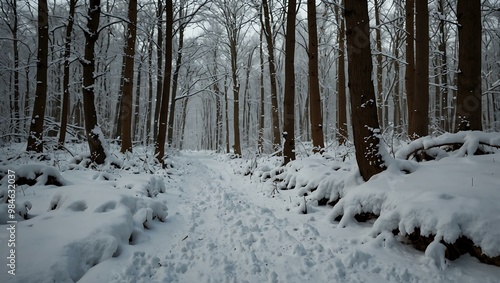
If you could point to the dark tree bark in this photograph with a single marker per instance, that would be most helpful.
(418, 124)
(342, 133)
(260, 142)
(289, 99)
(127, 106)
(314, 95)
(162, 130)
(93, 131)
(363, 102)
(445, 111)
(175, 78)
(66, 73)
(35, 137)
(378, 44)
(469, 109)
(410, 59)
(159, 62)
(272, 74)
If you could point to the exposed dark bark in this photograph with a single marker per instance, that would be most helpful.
(175, 79)
(418, 125)
(410, 59)
(363, 102)
(66, 73)
(162, 130)
(35, 136)
(272, 74)
(159, 62)
(314, 95)
(127, 105)
(469, 104)
(289, 99)
(342, 132)
(93, 131)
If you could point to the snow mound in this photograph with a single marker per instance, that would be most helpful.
(34, 175)
(80, 230)
(447, 208)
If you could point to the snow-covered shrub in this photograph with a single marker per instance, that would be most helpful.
(36, 174)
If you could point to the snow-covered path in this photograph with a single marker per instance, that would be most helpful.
(224, 227)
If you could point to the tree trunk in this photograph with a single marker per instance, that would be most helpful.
(159, 62)
(342, 133)
(150, 90)
(93, 131)
(445, 112)
(162, 130)
(236, 92)
(363, 102)
(410, 60)
(272, 75)
(17, 96)
(469, 109)
(289, 99)
(314, 95)
(175, 78)
(137, 103)
(378, 43)
(419, 115)
(127, 105)
(35, 137)
(67, 54)
(260, 142)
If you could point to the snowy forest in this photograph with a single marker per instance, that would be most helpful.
(250, 141)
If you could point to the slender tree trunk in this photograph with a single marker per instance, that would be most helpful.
(445, 113)
(127, 105)
(175, 79)
(342, 133)
(314, 95)
(137, 105)
(17, 94)
(410, 62)
(35, 137)
(419, 115)
(289, 99)
(260, 142)
(272, 75)
(236, 103)
(469, 104)
(227, 114)
(67, 54)
(150, 91)
(162, 130)
(363, 104)
(93, 131)
(159, 62)
(378, 43)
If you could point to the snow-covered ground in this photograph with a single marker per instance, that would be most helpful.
(203, 220)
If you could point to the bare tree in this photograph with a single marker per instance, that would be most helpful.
(289, 99)
(266, 25)
(365, 125)
(162, 130)
(314, 95)
(35, 137)
(342, 132)
(127, 88)
(410, 58)
(66, 73)
(418, 116)
(469, 110)
(93, 131)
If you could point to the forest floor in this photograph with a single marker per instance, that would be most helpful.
(200, 220)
